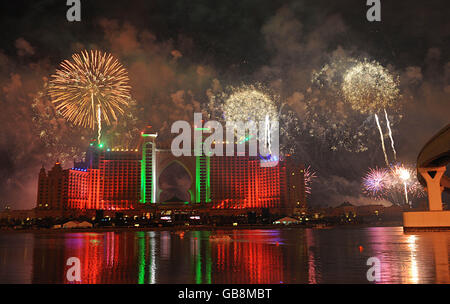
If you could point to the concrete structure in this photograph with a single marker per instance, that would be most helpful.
(431, 166)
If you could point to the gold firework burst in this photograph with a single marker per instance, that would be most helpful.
(249, 104)
(370, 88)
(91, 87)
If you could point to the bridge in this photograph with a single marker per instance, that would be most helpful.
(432, 163)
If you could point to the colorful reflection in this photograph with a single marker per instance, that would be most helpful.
(253, 258)
(410, 258)
(313, 274)
(312, 256)
(146, 257)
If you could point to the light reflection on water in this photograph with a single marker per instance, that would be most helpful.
(335, 255)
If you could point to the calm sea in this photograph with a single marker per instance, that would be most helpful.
(336, 255)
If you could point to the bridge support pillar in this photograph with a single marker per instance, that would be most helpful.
(434, 188)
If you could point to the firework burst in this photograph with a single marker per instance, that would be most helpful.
(92, 87)
(327, 114)
(310, 175)
(375, 182)
(396, 184)
(253, 104)
(370, 88)
(65, 142)
(250, 105)
(405, 174)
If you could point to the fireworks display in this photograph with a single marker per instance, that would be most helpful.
(396, 184)
(65, 142)
(375, 182)
(326, 115)
(253, 104)
(403, 175)
(344, 91)
(370, 88)
(250, 105)
(90, 88)
(343, 104)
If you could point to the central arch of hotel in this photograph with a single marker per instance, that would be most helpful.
(155, 161)
(164, 160)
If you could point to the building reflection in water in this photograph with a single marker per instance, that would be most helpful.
(253, 258)
(165, 244)
(313, 276)
(146, 257)
(250, 256)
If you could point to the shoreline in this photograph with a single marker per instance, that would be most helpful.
(194, 228)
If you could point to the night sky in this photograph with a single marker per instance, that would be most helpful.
(180, 52)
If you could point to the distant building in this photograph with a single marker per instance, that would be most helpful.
(52, 188)
(344, 209)
(369, 210)
(76, 224)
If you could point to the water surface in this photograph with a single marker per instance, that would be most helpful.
(336, 255)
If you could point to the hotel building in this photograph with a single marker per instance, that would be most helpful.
(128, 179)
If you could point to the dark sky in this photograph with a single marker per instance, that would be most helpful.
(178, 52)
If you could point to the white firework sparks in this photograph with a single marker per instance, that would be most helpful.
(370, 88)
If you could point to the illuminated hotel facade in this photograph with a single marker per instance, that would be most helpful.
(125, 179)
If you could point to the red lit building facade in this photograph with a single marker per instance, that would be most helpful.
(120, 179)
(107, 180)
(240, 182)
